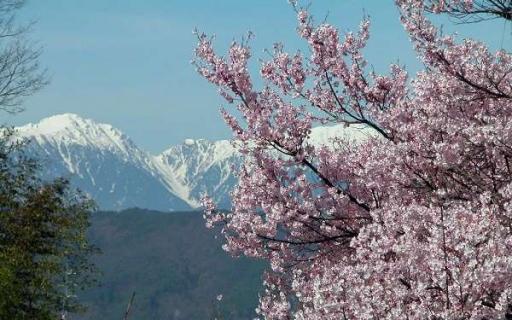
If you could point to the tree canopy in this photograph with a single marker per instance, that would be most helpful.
(412, 223)
(44, 252)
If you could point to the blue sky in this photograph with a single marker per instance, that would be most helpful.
(127, 62)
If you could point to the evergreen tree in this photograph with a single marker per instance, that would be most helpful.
(44, 252)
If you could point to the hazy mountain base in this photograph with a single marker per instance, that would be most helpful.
(176, 266)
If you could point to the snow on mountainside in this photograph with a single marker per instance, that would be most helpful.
(202, 167)
(106, 164)
(101, 161)
(325, 135)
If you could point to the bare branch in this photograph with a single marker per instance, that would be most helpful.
(479, 10)
(20, 73)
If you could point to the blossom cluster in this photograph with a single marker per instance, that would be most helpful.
(412, 223)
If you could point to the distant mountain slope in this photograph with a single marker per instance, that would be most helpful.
(175, 265)
(105, 163)
(203, 167)
(102, 161)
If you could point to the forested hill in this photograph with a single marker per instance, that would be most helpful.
(174, 264)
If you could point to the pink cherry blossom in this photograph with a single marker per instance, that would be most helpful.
(412, 223)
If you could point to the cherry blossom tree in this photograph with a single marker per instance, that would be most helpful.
(412, 223)
(472, 10)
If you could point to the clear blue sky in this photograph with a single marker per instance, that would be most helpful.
(127, 62)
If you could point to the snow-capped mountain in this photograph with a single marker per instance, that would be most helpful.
(201, 166)
(101, 161)
(117, 174)
(106, 164)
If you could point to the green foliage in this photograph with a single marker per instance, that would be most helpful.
(44, 252)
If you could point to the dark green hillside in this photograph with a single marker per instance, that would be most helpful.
(175, 265)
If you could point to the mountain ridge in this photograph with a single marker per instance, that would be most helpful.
(106, 164)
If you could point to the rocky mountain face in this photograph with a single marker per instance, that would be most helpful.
(199, 167)
(106, 164)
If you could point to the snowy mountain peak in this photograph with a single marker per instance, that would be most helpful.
(59, 123)
(326, 135)
(102, 161)
(199, 166)
(71, 129)
(215, 149)
(105, 163)
(189, 142)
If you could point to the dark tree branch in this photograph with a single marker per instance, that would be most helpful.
(480, 10)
